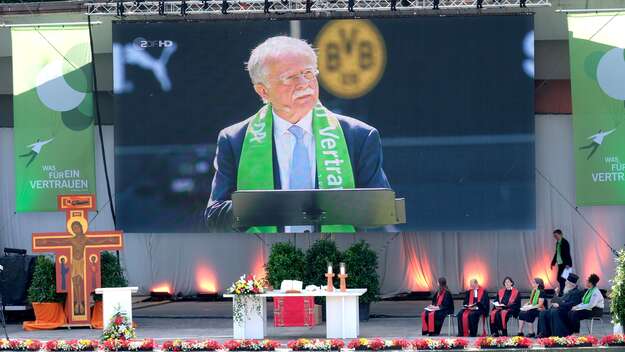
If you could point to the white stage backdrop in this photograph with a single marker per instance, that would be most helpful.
(189, 263)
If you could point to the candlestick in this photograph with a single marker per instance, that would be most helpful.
(342, 270)
(330, 285)
(342, 282)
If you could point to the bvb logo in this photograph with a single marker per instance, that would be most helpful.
(352, 57)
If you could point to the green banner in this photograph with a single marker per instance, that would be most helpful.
(596, 43)
(53, 115)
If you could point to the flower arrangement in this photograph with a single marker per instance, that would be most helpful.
(247, 285)
(251, 345)
(613, 340)
(569, 341)
(440, 344)
(190, 345)
(72, 345)
(316, 345)
(128, 345)
(378, 344)
(503, 342)
(20, 345)
(243, 291)
(119, 328)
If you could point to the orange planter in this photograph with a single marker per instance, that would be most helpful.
(96, 316)
(48, 316)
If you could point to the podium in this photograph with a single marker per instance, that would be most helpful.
(116, 299)
(360, 207)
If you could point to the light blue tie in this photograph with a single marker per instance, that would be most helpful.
(299, 177)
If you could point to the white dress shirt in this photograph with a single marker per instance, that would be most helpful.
(596, 300)
(285, 143)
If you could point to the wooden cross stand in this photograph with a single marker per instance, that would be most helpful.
(77, 252)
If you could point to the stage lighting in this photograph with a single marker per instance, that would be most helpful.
(350, 5)
(212, 296)
(267, 6)
(205, 4)
(138, 2)
(479, 4)
(160, 296)
(405, 3)
(161, 8)
(393, 5)
(120, 8)
(309, 4)
(435, 4)
(183, 8)
(17, 251)
(224, 7)
(284, 2)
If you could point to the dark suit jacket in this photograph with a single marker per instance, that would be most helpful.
(565, 252)
(570, 299)
(363, 144)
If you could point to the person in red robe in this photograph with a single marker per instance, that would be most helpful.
(434, 315)
(507, 304)
(475, 307)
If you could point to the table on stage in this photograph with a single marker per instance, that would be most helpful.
(342, 320)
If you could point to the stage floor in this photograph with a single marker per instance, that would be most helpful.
(194, 320)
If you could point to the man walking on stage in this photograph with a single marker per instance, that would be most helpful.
(561, 258)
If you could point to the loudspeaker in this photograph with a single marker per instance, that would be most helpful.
(15, 278)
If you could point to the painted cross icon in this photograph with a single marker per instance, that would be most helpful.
(77, 252)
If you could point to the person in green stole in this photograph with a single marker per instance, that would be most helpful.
(292, 141)
(592, 304)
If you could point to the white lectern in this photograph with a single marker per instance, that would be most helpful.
(116, 299)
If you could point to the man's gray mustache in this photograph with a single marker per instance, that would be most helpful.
(301, 93)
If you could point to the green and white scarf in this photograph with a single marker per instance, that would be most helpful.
(334, 168)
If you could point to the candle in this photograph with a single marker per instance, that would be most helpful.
(342, 268)
(329, 268)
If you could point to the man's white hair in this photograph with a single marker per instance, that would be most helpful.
(273, 48)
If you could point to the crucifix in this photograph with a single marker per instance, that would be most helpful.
(77, 252)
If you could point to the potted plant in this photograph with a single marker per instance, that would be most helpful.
(316, 345)
(20, 345)
(318, 256)
(617, 295)
(503, 342)
(71, 345)
(112, 275)
(378, 344)
(46, 302)
(251, 345)
(440, 344)
(362, 264)
(286, 262)
(178, 345)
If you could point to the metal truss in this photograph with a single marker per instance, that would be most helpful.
(211, 7)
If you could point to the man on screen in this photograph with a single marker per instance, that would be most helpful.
(292, 142)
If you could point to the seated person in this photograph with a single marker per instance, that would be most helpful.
(529, 312)
(554, 321)
(592, 304)
(509, 303)
(434, 315)
(475, 306)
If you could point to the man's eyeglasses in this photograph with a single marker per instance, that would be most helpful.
(308, 75)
